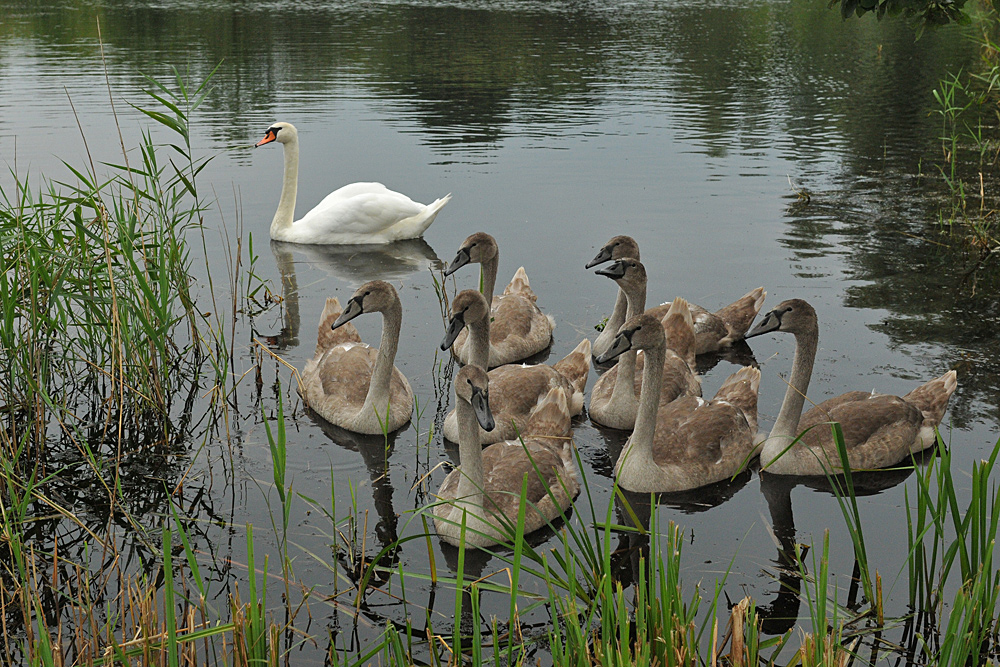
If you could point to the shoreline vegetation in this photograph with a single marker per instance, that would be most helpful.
(107, 345)
(968, 105)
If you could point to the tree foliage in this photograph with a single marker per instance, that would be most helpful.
(927, 13)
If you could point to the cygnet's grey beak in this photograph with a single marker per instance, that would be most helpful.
(621, 344)
(481, 406)
(461, 259)
(604, 255)
(771, 322)
(353, 309)
(455, 326)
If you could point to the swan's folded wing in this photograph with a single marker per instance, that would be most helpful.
(513, 317)
(506, 464)
(344, 374)
(701, 435)
(876, 427)
(515, 389)
(362, 208)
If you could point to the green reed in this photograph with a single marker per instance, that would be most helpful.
(102, 342)
(965, 102)
(96, 292)
(953, 542)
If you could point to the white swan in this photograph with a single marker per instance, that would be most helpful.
(690, 442)
(713, 331)
(349, 384)
(614, 402)
(880, 430)
(515, 389)
(356, 213)
(519, 329)
(485, 490)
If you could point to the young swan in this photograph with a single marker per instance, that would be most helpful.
(690, 442)
(515, 390)
(519, 329)
(714, 331)
(485, 491)
(879, 430)
(355, 213)
(615, 399)
(350, 384)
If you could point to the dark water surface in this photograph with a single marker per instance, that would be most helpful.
(555, 125)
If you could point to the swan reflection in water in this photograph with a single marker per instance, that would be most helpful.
(779, 615)
(352, 264)
(375, 451)
(739, 354)
(635, 510)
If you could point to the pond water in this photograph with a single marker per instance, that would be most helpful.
(690, 126)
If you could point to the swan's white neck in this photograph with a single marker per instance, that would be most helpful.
(639, 447)
(786, 426)
(285, 214)
(377, 400)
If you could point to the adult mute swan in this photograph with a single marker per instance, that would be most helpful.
(486, 487)
(355, 213)
(689, 442)
(880, 430)
(515, 389)
(349, 384)
(713, 331)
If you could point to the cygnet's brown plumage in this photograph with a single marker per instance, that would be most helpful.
(350, 384)
(614, 401)
(515, 389)
(689, 442)
(519, 329)
(713, 331)
(484, 492)
(879, 430)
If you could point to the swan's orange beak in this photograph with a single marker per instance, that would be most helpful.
(269, 136)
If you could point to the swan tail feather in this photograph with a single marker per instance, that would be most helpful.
(740, 389)
(575, 367)
(931, 398)
(739, 315)
(551, 416)
(519, 285)
(326, 337)
(414, 227)
(678, 325)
